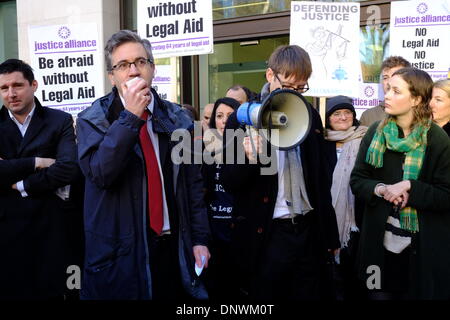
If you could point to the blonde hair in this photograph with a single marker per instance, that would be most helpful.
(443, 84)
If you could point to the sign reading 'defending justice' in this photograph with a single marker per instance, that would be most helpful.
(66, 64)
(177, 27)
(329, 32)
(420, 32)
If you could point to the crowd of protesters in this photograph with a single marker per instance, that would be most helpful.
(106, 194)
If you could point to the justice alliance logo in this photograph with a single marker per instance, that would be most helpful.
(422, 8)
(64, 32)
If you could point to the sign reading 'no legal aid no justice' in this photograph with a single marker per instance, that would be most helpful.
(177, 27)
(420, 32)
(329, 32)
(67, 65)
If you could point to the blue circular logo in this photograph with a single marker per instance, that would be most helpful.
(422, 8)
(368, 91)
(64, 32)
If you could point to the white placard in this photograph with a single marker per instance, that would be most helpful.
(67, 65)
(329, 32)
(177, 27)
(368, 97)
(165, 82)
(420, 32)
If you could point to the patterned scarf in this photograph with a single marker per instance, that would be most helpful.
(414, 146)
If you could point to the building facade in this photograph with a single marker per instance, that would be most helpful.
(245, 33)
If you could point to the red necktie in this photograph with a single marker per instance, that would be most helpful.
(154, 185)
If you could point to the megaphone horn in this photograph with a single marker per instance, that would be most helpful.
(284, 110)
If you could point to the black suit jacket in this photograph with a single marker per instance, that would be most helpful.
(33, 229)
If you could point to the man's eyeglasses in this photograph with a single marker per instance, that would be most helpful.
(139, 63)
(302, 89)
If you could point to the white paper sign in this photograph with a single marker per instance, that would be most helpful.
(420, 32)
(67, 65)
(329, 32)
(368, 97)
(177, 27)
(165, 82)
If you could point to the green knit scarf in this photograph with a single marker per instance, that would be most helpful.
(414, 146)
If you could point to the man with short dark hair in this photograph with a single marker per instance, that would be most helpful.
(283, 229)
(37, 158)
(388, 67)
(145, 221)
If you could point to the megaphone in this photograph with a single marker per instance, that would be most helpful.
(285, 110)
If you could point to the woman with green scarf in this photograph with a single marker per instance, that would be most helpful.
(402, 172)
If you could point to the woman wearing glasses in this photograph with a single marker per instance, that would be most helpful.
(343, 135)
(403, 173)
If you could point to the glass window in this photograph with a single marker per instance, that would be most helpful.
(373, 48)
(9, 46)
(223, 9)
(241, 63)
(8, 31)
(129, 14)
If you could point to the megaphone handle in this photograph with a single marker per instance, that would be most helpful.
(252, 132)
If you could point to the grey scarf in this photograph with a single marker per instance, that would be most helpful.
(294, 184)
(294, 181)
(342, 197)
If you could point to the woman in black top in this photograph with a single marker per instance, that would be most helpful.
(219, 204)
(402, 171)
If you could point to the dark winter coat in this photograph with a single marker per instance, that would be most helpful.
(117, 261)
(430, 195)
(446, 128)
(33, 238)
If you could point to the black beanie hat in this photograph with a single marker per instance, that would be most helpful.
(338, 103)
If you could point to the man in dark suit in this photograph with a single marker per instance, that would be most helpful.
(145, 219)
(38, 162)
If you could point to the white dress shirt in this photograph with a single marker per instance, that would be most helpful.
(23, 126)
(281, 209)
(155, 142)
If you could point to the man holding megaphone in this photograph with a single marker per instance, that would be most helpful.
(284, 224)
